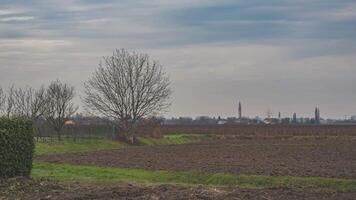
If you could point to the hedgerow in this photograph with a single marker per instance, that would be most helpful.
(16, 147)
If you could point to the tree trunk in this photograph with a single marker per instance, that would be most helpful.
(128, 136)
(59, 135)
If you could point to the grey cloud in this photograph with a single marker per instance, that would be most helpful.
(215, 51)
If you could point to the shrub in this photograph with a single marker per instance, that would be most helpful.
(16, 147)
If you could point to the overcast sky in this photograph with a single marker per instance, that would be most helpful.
(285, 55)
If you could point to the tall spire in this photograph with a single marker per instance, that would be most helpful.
(317, 115)
(294, 118)
(240, 110)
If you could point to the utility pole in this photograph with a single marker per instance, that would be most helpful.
(294, 118)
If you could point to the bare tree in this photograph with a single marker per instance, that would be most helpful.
(38, 103)
(2, 101)
(29, 102)
(59, 106)
(21, 102)
(128, 87)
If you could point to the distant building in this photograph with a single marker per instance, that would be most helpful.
(271, 121)
(69, 122)
(222, 121)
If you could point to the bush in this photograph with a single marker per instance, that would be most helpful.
(16, 147)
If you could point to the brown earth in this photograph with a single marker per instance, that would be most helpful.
(257, 130)
(45, 189)
(292, 156)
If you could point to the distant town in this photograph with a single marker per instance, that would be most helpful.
(256, 120)
(269, 119)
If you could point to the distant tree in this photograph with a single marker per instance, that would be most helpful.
(59, 106)
(286, 120)
(353, 118)
(204, 120)
(128, 87)
(269, 113)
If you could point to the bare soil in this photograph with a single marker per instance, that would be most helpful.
(293, 156)
(45, 189)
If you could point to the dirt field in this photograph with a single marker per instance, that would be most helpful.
(294, 156)
(261, 130)
(42, 189)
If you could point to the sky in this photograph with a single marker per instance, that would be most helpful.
(284, 55)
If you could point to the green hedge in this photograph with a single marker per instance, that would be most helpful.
(16, 147)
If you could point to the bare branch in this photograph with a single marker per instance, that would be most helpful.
(2, 101)
(10, 102)
(25, 102)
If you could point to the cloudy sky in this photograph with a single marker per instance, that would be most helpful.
(285, 55)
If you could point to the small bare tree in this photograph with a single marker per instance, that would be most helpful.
(2, 101)
(21, 102)
(128, 87)
(29, 102)
(59, 106)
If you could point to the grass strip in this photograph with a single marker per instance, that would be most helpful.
(85, 145)
(82, 145)
(172, 139)
(65, 172)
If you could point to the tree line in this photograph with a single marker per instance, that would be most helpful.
(126, 88)
(53, 103)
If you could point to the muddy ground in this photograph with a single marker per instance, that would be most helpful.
(295, 156)
(45, 189)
